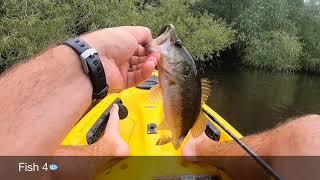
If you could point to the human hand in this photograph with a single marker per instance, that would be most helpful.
(125, 59)
(96, 157)
(227, 156)
(192, 149)
(110, 144)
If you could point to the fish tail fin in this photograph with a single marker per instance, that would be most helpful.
(200, 125)
(205, 89)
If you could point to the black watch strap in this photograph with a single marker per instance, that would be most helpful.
(92, 65)
(78, 45)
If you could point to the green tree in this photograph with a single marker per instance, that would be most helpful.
(226, 9)
(201, 34)
(30, 26)
(258, 22)
(310, 35)
(269, 36)
(274, 50)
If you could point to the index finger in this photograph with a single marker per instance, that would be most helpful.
(113, 122)
(142, 34)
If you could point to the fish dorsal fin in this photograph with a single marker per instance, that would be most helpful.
(199, 125)
(205, 89)
(155, 95)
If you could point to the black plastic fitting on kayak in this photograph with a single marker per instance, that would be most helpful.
(149, 83)
(212, 132)
(123, 111)
(97, 130)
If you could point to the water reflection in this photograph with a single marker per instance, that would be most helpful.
(253, 101)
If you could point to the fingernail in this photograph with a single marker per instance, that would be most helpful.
(114, 106)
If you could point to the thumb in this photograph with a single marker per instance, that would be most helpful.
(188, 151)
(112, 128)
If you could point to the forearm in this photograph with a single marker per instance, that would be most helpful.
(231, 158)
(54, 80)
(257, 143)
(282, 147)
(83, 162)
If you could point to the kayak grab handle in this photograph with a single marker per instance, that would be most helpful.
(97, 130)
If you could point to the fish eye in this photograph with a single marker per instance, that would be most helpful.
(178, 43)
(187, 70)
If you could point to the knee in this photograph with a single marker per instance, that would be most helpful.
(312, 117)
(309, 121)
(299, 136)
(304, 134)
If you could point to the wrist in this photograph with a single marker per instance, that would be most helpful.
(69, 60)
(112, 75)
(92, 66)
(107, 63)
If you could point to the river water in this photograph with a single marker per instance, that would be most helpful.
(253, 101)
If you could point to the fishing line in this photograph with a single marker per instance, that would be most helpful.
(260, 161)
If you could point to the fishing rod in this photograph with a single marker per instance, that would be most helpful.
(259, 160)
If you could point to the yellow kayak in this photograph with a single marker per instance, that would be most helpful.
(139, 129)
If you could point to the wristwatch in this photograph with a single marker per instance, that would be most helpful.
(92, 66)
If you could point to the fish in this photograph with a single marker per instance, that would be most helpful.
(181, 88)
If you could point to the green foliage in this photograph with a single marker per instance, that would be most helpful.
(265, 15)
(202, 35)
(269, 36)
(280, 35)
(309, 24)
(226, 9)
(268, 27)
(27, 28)
(30, 26)
(274, 51)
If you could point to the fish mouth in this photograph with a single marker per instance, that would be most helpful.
(168, 32)
(166, 29)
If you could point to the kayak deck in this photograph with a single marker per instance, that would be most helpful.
(147, 160)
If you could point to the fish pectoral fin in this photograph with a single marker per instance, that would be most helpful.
(155, 95)
(205, 89)
(172, 79)
(177, 144)
(167, 139)
(163, 125)
(200, 125)
(164, 140)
